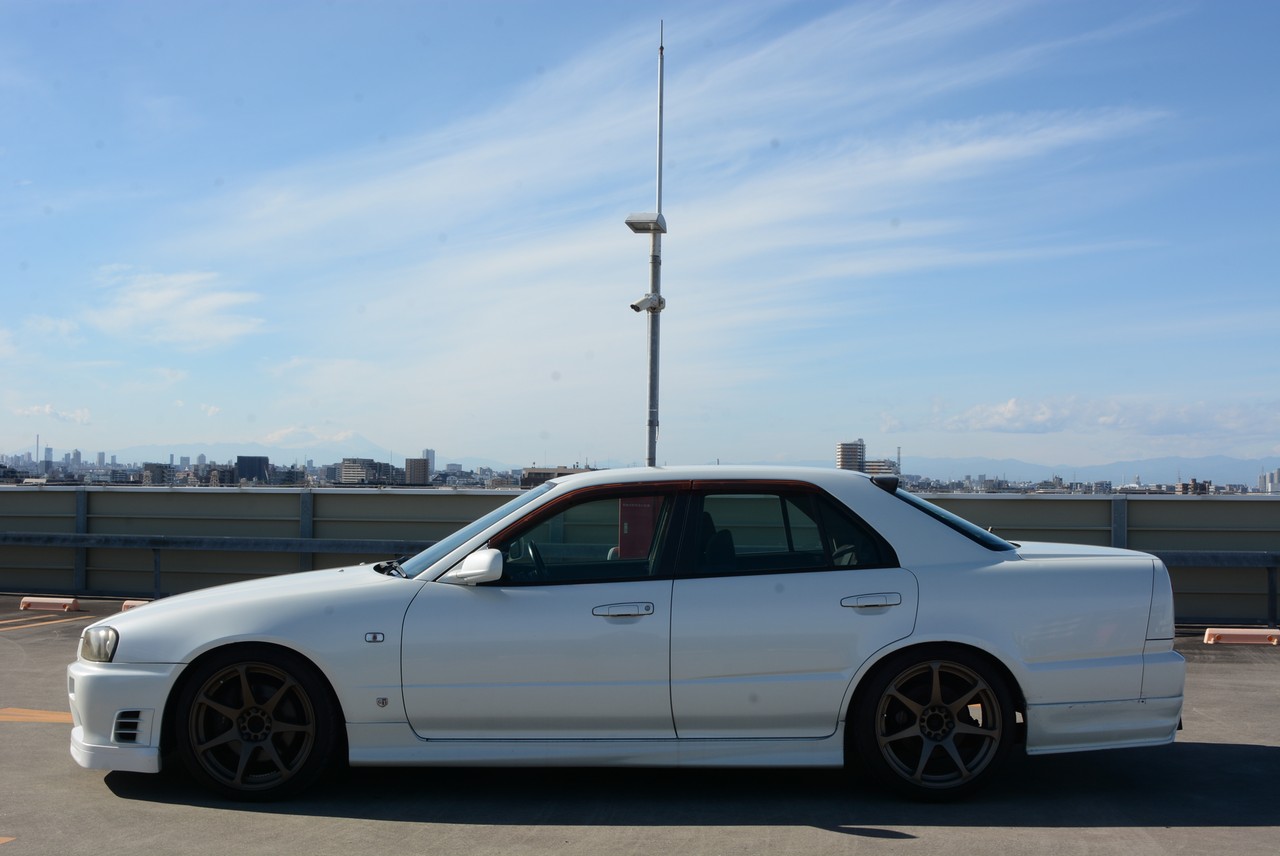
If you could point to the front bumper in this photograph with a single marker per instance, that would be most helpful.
(116, 712)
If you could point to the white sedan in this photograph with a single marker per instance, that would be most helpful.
(711, 616)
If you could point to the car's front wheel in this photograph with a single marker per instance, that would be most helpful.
(256, 723)
(933, 723)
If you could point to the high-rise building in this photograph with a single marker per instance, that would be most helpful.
(852, 456)
(417, 471)
(429, 455)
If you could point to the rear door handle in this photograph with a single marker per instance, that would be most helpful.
(871, 601)
(623, 610)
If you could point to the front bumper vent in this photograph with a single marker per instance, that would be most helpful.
(132, 728)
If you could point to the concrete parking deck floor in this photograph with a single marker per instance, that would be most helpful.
(1214, 791)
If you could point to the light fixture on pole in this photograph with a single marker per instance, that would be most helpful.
(655, 226)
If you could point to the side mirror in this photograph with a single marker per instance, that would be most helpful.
(482, 566)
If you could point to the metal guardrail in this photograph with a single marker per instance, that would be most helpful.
(1267, 562)
(304, 547)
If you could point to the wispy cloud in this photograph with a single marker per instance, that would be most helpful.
(185, 311)
(1141, 416)
(48, 411)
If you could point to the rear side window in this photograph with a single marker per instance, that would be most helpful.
(969, 530)
(773, 532)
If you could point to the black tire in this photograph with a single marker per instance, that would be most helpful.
(256, 723)
(934, 724)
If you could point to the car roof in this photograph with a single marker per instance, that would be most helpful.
(730, 472)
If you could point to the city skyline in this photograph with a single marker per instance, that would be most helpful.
(1001, 229)
(1258, 474)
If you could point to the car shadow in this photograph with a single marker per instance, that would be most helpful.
(1183, 785)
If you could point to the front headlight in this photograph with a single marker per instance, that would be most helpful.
(98, 644)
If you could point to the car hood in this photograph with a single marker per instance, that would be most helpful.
(289, 608)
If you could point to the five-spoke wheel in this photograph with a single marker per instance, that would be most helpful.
(255, 723)
(933, 724)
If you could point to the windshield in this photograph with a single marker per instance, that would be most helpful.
(964, 527)
(437, 551)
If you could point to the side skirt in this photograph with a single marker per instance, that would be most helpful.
(395, 745)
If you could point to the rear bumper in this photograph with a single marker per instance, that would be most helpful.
(1085, 726)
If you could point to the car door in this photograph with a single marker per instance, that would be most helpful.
(572, 642)
(781, 594)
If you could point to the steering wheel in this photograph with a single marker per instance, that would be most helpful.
(539, 566)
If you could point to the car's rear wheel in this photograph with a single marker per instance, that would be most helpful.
(934, 724)
(256, 723)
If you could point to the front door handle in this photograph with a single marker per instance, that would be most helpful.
(872, 601)
(623, 610)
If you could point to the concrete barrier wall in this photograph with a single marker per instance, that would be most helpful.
(1212, 592)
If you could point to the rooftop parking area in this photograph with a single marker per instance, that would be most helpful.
(1212, 791)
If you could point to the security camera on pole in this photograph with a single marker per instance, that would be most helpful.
(655, 226)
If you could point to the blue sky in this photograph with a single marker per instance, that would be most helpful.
(1042, 230)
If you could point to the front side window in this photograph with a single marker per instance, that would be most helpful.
(428, 557)
(751, 533)
(594, 539)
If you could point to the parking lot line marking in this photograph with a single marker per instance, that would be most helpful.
(26, 618)
(46, 623)
(22, 714)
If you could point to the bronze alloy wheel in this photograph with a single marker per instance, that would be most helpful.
(934, 726)
(256, 727)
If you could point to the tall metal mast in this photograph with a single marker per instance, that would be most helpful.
(653, 303)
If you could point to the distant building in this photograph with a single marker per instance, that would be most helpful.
(417, 471)
(852, 456)
(357, 471)
(253, 468)
(157, 474)
(430, 456)
(216, 476)
(886, 467)
(534, 476)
